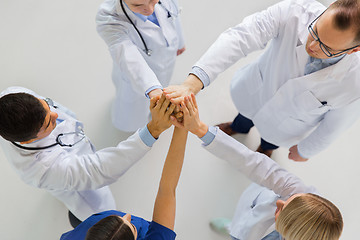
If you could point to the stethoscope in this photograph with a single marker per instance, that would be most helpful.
(146, 50)
(57, 142)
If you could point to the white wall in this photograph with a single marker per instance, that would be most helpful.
(52, 48)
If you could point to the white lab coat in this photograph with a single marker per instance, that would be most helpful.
(255, 213)
(133, 71)
(78, 176)
(286, 106)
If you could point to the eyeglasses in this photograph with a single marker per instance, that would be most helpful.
(323, 47)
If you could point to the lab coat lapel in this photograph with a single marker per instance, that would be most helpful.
(302, 58)
(338, 71)
(334, 72)
(164, 20)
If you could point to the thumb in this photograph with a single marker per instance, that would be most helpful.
(153, 102)
(175, 122)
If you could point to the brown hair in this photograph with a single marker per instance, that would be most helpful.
(310, 217)
(110, 228)
(347, 15)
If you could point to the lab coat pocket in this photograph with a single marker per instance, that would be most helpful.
(310, 107)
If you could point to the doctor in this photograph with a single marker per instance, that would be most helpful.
(47, 147)
(278, 205)
(144, 37)
(303, 91)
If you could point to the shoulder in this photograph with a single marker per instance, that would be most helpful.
(17, 89)
(303, 9)
(159, 232)
(80, 231)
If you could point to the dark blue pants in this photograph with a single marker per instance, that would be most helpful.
(242, 124)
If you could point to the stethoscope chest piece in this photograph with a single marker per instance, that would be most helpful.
(148, 52)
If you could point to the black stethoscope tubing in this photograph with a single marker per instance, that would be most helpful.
(146, 50)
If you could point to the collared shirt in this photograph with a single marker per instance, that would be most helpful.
(209, 136)
(152, 88)
(316, 64)
(201, 74)
(274, 235)
(152, 18)
(146, 136)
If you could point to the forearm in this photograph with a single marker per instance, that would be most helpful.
(92, 171)
(174, 161)
(165, 203)
(257, 167)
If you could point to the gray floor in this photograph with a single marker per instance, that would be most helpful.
(52, 48)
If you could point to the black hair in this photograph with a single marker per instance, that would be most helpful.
(110, 228)
(21, 117)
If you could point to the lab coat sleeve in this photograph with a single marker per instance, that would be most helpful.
(334, 123)
(237, 42)
(91, 171)
(256, 166)
(125, 54)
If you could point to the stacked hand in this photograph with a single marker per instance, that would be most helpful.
(176, 93)
(161, 109)
(164, 114)
(191, 121)
(186, 116)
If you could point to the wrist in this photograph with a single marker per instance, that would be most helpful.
(155, 92)
(154, 130)
(193, 83)
(201, 130)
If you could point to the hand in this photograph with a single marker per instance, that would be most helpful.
(294, 155)
(156, 92)
(180, 51)
(160, 109)
(176, 93)
(178, 114)
(191, 121)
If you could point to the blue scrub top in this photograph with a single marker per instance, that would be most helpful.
(146, 230)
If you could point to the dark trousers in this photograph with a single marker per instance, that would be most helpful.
(242, 124)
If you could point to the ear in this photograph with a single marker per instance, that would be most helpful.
(127, 217)
(28, 141)
(354, 50)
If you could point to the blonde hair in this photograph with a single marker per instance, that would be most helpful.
(310, 217)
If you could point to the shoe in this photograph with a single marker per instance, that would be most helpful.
(221, 225)
(226, 128)
(267, 152)
(74, 221)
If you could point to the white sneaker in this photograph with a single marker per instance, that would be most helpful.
(221, 225)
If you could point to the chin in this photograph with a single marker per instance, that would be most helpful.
(312, 54)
